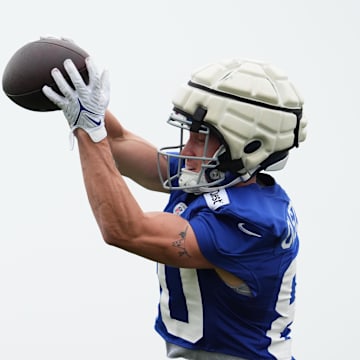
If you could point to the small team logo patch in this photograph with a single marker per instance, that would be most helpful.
(179, 208)
(216, 199)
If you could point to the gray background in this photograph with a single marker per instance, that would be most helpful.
(67, 295)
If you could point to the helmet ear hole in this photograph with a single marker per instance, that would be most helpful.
(252, 146)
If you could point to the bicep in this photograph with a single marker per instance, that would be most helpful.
(134, 157)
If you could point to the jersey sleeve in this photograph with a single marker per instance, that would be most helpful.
(238, 247)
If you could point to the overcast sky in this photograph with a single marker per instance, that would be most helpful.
(67, 295)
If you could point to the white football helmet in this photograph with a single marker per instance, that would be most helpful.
(255, 111)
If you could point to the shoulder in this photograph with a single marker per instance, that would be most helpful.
(252, 211)
(254, 202)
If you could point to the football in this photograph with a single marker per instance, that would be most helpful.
(29, 69)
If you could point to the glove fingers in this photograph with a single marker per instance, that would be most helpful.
(74, 75)
(105, 82)
(105, 86)
(67, 39)
(97, 83)
(91, 68)
(62, 84)
(53, 96)
(94, 79)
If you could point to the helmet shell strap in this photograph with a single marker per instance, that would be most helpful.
(198, 118)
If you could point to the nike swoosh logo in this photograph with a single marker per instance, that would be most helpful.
(97, 123)
(242, 228)
(83, 109)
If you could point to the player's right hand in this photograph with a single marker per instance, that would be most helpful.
(84, 107)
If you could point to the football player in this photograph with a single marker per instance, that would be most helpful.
(226, 243)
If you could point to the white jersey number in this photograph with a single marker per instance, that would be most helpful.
(286, 311)
(192, 330)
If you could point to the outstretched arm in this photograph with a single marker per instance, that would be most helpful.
(163, 237)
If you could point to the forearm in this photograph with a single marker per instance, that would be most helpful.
(157, 236)
(113, 205)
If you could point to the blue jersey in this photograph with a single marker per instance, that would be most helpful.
(250, 232)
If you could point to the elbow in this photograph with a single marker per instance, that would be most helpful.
(111, 239)
(121, 235)
(108, 240)
(117, 238)
(111, 233)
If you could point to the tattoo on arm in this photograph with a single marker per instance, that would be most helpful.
(180, 244)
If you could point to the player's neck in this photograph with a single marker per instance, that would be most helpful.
(252, 180)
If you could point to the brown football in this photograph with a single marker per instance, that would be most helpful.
(29, 69)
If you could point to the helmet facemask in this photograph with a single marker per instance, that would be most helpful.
(209, 178)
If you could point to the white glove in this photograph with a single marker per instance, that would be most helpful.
(85, 106)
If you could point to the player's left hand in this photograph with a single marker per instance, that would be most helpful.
(84, 107)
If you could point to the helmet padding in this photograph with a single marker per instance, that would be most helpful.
(252, 104)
